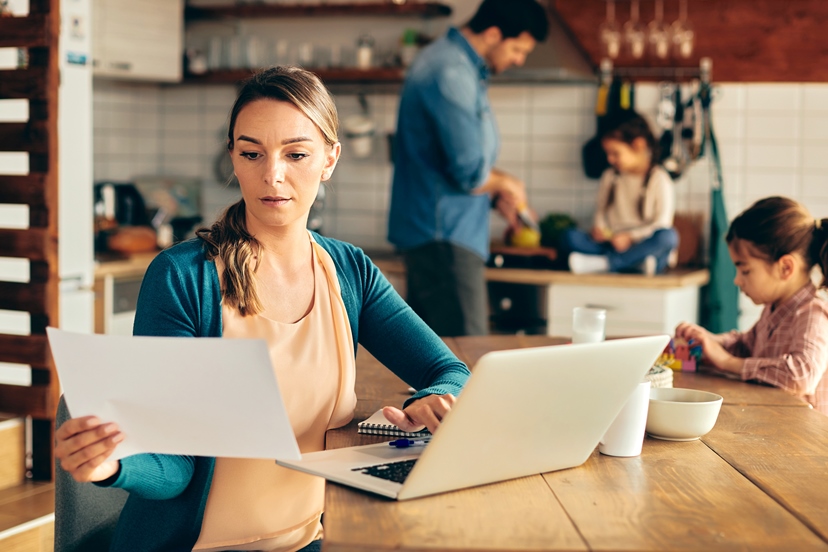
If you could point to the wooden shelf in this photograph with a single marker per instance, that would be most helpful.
(392, 75)
(387, 8)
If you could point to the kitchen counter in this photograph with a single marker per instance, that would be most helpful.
(132, 266)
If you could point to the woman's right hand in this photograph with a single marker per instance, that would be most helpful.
(83, 444)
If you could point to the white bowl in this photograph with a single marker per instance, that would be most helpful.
(681, 414)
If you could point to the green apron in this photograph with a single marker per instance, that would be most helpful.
(720, 297)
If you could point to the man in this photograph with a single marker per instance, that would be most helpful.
(444, 176)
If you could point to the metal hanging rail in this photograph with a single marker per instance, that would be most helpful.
(703, 72)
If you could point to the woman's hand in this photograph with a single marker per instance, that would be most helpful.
(428, 411)
(83, 444)
(621, 241)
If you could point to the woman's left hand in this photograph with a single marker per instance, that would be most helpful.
(428, 411)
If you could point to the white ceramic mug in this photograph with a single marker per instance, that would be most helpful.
(625, 437)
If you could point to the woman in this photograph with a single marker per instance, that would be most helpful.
(258, 273)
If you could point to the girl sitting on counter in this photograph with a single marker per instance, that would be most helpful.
(633, 225)
(775, 244)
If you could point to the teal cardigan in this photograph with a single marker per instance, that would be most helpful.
(180, 296)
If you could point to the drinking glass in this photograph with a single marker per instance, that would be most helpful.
(683, 35)
(658, 33)
(635, 35)
(588, 324)
(610, 33)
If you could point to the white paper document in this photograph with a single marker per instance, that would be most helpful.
(174, 395)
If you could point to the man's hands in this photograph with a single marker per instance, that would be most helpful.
(428, 411)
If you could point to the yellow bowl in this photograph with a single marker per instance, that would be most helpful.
(677, 414)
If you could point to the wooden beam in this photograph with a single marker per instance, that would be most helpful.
(25, 349)
(40, 6)
(39, 163)
(26, 297)
(36, 244)
(24, 32)
(21, 400)
(23, 83)
(32, 136)
(29, 190)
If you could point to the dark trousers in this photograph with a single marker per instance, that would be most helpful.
(447, 289)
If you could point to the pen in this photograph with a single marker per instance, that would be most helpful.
(405, 443)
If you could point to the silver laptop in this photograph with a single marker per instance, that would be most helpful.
(522, 412)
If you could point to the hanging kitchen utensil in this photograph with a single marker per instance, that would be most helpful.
(677, 160)
(693, 128)
(608, 102)
(665, 119)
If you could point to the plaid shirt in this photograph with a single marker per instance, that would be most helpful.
(788, 347)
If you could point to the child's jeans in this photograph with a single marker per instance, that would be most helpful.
(658, 245)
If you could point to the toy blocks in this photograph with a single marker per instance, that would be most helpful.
(681, 356)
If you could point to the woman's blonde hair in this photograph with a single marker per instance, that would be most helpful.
(228, 237)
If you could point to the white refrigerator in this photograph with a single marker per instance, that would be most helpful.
(75, 230)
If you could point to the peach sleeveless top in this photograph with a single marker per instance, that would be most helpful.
(255, 504)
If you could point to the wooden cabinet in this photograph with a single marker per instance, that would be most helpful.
(748, 40)
(644, 311)
(138, 40)
(635, 304)
(117, 284)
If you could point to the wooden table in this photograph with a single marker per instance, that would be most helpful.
(758, 480)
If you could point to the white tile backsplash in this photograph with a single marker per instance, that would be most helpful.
(772, 97)
(778, 128)
(773, 140)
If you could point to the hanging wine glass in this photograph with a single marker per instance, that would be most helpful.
(683, 35)
(658, 33)
(635, 35)
(610, 33)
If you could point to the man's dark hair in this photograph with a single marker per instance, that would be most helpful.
(512, 17)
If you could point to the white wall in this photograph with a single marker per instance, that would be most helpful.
(773, 140)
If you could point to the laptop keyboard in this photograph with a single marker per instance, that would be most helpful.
(392, 471)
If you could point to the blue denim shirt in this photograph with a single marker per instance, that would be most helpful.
(446, 146)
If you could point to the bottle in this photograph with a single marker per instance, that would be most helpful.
(365, 51)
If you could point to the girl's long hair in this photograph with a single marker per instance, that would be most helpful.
(625, 126)
(228, 237)
(777, 226)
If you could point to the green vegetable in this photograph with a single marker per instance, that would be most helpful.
(553, 226)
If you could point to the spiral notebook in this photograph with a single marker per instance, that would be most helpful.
(378, 425)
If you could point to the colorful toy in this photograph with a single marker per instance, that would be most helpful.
(681, 355)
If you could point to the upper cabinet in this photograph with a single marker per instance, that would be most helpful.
(331, 39)
(748, 40)
(138, 40)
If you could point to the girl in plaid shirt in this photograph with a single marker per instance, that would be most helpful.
(775, 244)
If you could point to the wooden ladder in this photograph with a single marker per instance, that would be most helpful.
(37, 82)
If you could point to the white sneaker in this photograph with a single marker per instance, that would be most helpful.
(580, 263)
(649, 265)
